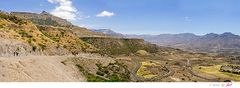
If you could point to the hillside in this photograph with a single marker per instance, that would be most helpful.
(47, 40)
(120, 46)
(45, 18)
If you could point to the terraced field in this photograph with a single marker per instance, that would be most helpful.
(150, 69)
(215, 70)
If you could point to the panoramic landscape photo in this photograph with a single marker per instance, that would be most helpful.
(120, 41)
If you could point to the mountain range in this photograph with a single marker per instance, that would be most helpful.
(226, 43)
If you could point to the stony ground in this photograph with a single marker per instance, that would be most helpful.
(37, 69)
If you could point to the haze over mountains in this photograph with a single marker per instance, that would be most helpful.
(226, 43)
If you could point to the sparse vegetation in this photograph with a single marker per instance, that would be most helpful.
(116, 46)
(90, 77)
(47, 21)
(115, 72)
(1, 26)
(24, 33)
(42, 46)
(67, 39)
(13, 18)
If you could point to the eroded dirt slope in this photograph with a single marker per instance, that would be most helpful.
(37, 69)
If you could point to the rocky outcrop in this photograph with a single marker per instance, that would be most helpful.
(10, 47)
(230, 68)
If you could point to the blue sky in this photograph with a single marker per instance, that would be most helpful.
(141, 16)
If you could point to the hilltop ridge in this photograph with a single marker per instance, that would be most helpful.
(226, 43)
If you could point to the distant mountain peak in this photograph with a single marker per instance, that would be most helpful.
(108, 32)
(211, 35)
(45, 13)
(228, 34)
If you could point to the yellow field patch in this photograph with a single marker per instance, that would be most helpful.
(215, 71)
(149, 63)
(144, 72)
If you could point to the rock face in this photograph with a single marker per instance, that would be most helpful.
(38, 69)
(10, 47)
(43, 18)
(230, 69)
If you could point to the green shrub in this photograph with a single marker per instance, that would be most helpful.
(42, 46)
(100, 73)
(47, 21)
(63, 62)
(62, 34)
(16, 20)
(90, 77)
(54, 38)
(114, 78)
(34, 48)
(3, 16)
(29, 40)
(23, 33)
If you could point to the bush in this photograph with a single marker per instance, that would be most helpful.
(3, 16)
(16, 20)
(23, 33)
(63, 62)
(113, 72)
(43, 47)
(47, 21)
(90, 77)
(29, 40)
(114, 78)
(34, 48)
(100, 73)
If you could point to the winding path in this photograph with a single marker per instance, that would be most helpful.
(189, 69)
(137, 78)
(171, 72)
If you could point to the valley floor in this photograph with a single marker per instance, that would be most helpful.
(96, 68)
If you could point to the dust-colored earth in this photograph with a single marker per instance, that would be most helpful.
(38, 69)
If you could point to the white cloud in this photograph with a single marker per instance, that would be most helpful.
(64, 10)
(105, 14)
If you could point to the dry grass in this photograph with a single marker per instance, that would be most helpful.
(214, 70)
(144, 71)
